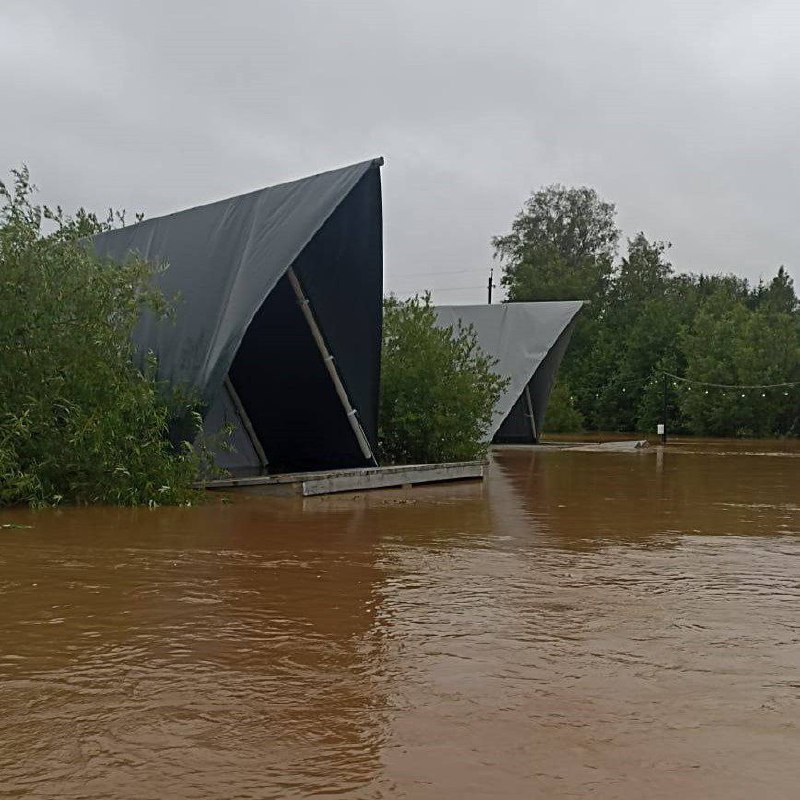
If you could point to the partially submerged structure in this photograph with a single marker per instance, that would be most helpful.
(278, 321)
(528, 340)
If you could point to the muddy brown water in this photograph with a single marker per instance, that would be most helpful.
(581, 625)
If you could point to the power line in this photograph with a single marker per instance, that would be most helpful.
(439, 289)
(433, 288)
(440, 272)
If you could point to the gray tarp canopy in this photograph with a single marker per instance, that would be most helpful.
(269, 284)
(528, 340)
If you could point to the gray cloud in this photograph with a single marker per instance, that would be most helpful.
(682, 113)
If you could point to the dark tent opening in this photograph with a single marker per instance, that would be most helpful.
(287, 393)
(279, 326)
(279, 373)
(519, 427)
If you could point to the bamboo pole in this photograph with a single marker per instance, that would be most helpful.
(327, 358)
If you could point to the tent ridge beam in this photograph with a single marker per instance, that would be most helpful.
(352, 414)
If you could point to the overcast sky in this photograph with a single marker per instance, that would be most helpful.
(684, 114)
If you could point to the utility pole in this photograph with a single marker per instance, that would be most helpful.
(491, 284)
(664, 426)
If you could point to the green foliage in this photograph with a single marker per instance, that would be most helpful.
(650, 409)
(729, 343)
(645, 319)
(562, 415)
(438, 390)
(79, 422)
(561, 246)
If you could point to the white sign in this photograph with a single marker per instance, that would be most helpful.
(660, 429)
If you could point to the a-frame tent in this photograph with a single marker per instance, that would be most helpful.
(528, 340)
(278, 320)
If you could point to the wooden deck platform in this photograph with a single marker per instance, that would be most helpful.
(621, 446)
(352, 480)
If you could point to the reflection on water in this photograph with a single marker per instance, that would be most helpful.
(615, 625)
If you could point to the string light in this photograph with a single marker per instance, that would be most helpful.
(676, 378)
(740, 389)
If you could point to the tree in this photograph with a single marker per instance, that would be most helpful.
(639, 325)
(645, 320)
(79, 422)
(643, 274)
(562, 413)
(778, 296)
(561, 246)
(730, 344)
(438, 390)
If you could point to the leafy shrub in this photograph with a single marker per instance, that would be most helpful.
(79, 422)
(438, 390)
(562, 415)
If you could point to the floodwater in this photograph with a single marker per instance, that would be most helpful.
(605, 625)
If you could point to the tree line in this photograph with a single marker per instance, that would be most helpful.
(730, 349)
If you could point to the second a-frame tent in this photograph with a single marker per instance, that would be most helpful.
(277, 324)
(528, 340)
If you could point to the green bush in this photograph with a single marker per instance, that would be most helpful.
(562, 415)
(438, 390)
(79, 422)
